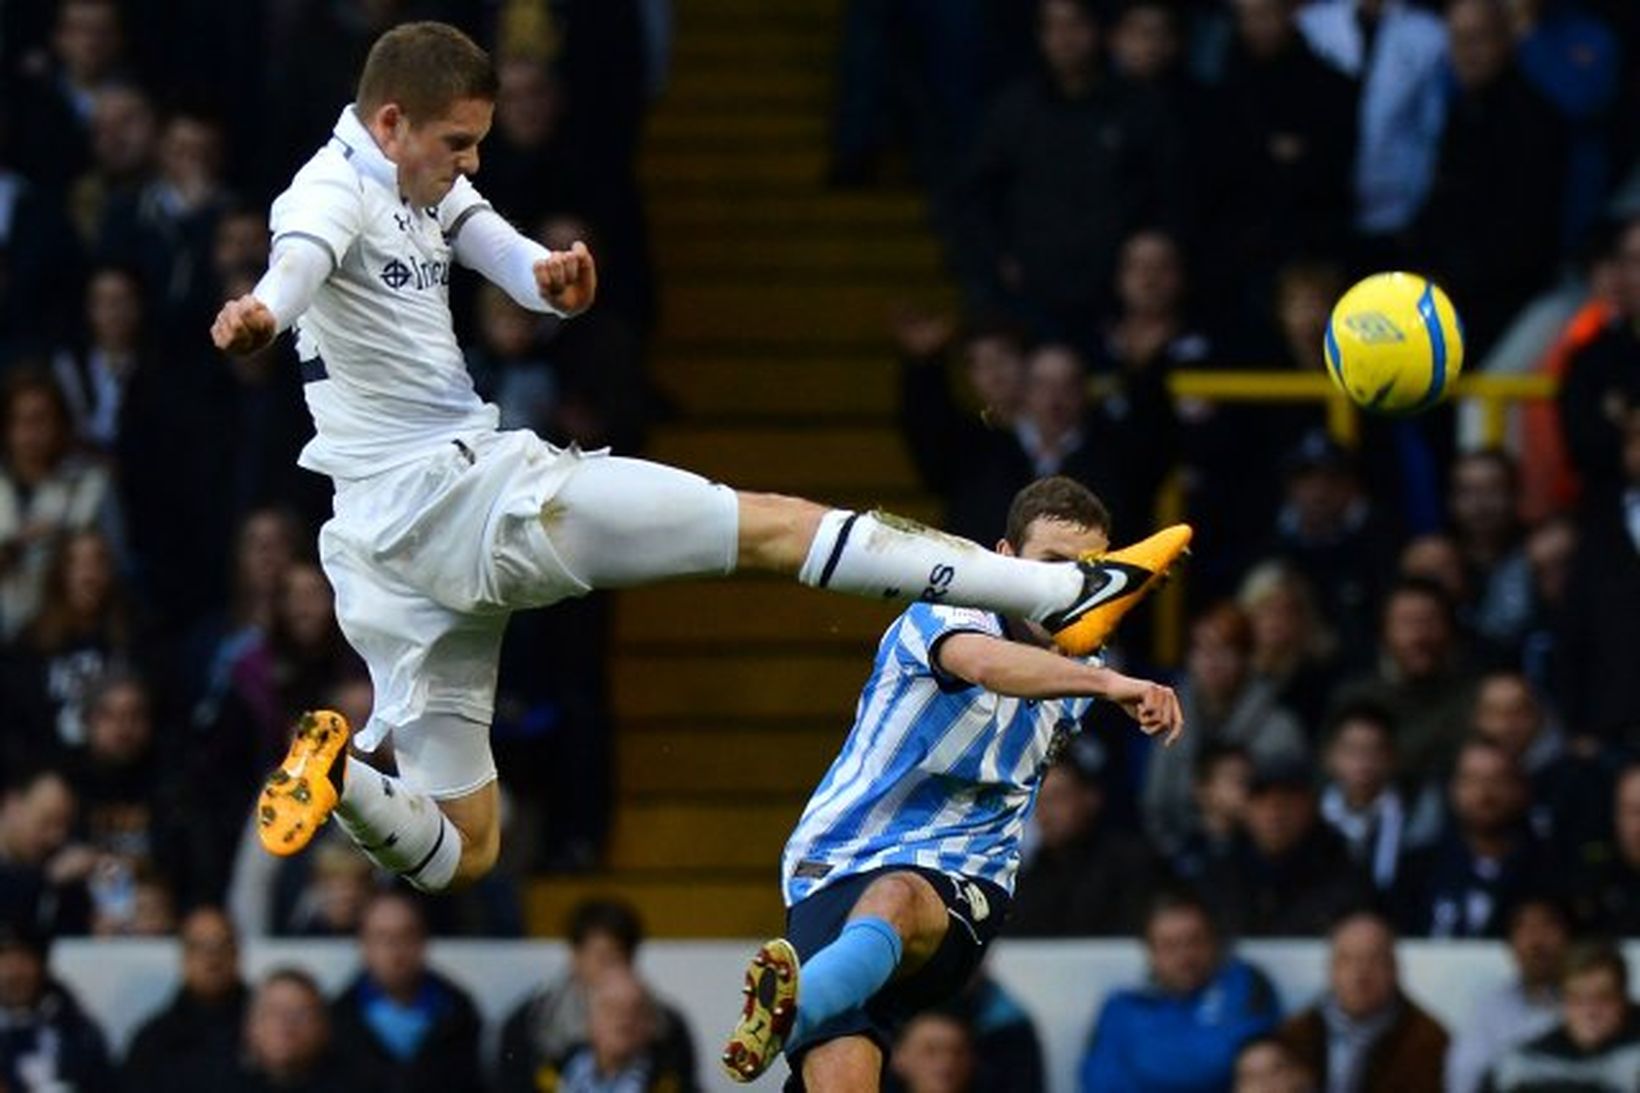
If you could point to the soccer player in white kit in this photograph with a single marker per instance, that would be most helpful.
(444, 525)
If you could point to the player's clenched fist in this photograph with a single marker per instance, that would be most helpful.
(243, 326)
(568, 279)
(1156, 709)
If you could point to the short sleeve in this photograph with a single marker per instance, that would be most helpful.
(459, 205)
(932, 624)
(325, 205)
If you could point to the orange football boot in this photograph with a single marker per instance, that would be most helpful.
(298, 798)
(1113, 583)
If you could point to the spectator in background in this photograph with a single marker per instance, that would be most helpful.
(286, 1046)
(936, 1054)
(1522, 1010)
(1278, 156)
(1008, 1053)
(47, 1040)
(1573, 59)
(528, 170)
(1420, 678)
(42, 875)
(168, 228)
(1150, 330)
(55, 99)
(1597, 1044)
(506, 363)
(1287, 874)
(622, 1050)
(1485, 504)
(1485, 862)
(1293, 651)
(1397, 52)
(124, 137)
(604, 938)
(96, 377)
(1266, 1065)
(1327, 530)
(1482, 181)
(407, 1028)
(83, 630)
(1600, 385)
(332, 896)
(1064, 167)
(1181, 1030)
(1608, 887)
(1224, 703)
(1084, 879)
(40, 262)
(206, 1015)
(1364, 800)
(1366, 1035)
(1219, 784)
(46, 489)
(1599, 689)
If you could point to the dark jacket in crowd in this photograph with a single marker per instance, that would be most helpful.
(180, 1037)
(1483, 181)
(1554, 1064)
(1407, 1058)
(1599, 688)
(1099, 886)
(1446, 891)
(1005, 1041)
(57, 1044)
(446, 1058)
(1300, 895)
(1056, 183)
(1600, 379)
(40, 269)
(1128, 444)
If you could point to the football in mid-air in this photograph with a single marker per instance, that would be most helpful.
(1394, 343)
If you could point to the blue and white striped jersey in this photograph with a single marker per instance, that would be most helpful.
(936, 772)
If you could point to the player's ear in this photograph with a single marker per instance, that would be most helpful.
(1005, 548)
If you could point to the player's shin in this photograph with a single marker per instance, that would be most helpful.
(844, 974)
(400, 830)
(886, 557)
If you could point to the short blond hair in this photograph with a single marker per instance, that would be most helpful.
(425, 68)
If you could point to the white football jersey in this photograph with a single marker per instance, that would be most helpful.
(385, 379)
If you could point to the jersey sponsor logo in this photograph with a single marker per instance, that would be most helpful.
(417, 273)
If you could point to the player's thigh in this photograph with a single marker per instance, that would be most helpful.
(619, 521)
(909, 902)
(848, 1064)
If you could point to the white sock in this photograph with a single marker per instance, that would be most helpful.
(402, 831)
(885, 557)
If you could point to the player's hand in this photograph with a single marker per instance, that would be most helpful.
(244, 326)
(568, 279)
(1155, 708)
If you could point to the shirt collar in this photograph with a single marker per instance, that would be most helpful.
(362, 151)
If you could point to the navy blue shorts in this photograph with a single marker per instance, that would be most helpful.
(977, 910)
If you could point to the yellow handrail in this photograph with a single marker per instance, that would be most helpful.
(1494, 393)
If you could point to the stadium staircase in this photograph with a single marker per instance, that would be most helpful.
(731, 698)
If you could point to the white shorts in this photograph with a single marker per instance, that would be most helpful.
(429, 560)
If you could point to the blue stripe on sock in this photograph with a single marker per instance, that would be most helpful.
(845, 973)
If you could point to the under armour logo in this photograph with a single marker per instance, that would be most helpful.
(396, 274)
(402, 220)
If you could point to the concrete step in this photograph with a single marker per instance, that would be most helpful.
(743, 685)
(746, 168)
(705, 835)
(913, 256)
(806, 44)
(782, 386)
(791, 460)
(675, 130)
(659, 758)
(671, 905)
(785, 312)
(820, 213)
(748, 612)
(729, 84)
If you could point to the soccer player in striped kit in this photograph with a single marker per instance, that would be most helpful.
(900, 872)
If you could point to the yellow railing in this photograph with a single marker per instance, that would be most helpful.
(1495, 394)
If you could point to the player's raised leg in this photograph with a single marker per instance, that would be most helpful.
(619, 522)
(894, 928)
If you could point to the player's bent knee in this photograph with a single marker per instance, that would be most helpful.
(852, 1064)
(899, 898)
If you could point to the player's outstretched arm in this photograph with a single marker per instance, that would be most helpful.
(1025, 671)
(243, 326)
(564, 282)
(248, 324)
(567, 279)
